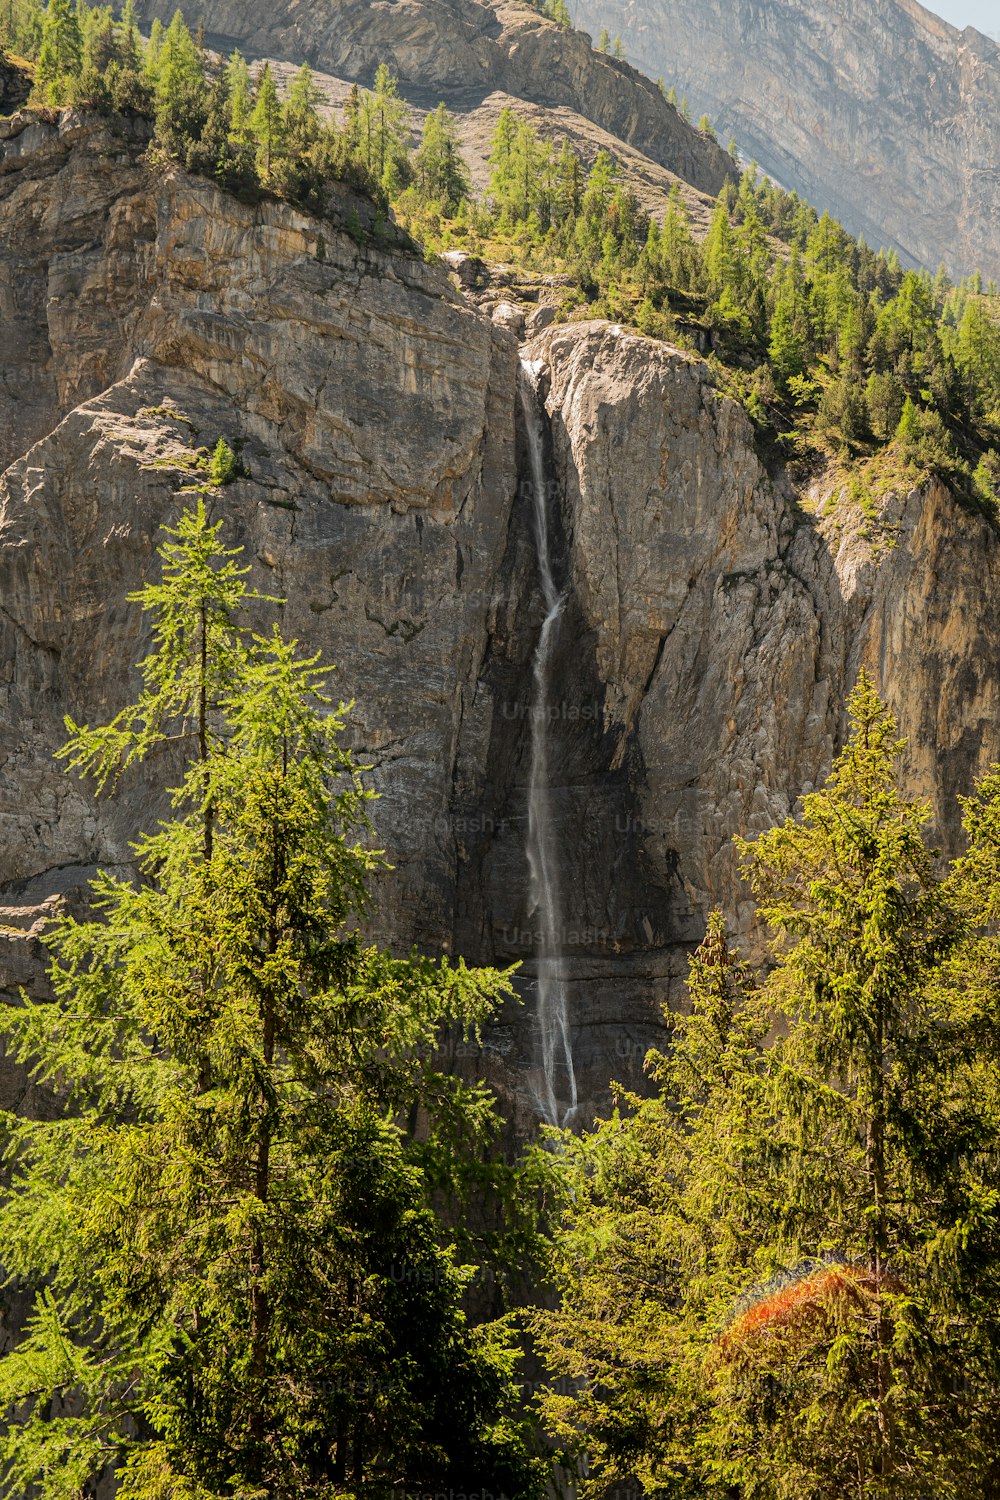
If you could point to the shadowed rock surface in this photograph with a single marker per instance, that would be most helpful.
(875, 109)
(716, 621)
(15, 85)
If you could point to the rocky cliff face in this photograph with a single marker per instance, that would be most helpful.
(875, 109)
(375, 416)
(715, 619)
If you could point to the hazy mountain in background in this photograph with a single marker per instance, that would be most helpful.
(875, 109)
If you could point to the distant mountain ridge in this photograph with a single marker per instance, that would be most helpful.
(876, 109)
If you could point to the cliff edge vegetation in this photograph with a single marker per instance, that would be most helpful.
(836, 352)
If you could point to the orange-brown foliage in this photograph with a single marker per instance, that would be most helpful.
(803, 1306)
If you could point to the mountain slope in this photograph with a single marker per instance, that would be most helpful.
(875, 109)
(464, 52)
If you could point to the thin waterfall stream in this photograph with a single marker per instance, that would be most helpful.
(556, 1096)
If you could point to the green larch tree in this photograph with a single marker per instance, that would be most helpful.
(522, 174)
(247, 1291)
(680, 256)
(440, 170)
(154, 48)
(302, 119)
(60, 56)
(181, 97)
(267, 124)
(239, 92)
(789, 343)
(383, 135)
(568, 184)
(977, 349)
(726, 269)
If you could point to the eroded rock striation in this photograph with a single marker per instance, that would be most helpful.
(875, 109)
(716, 618)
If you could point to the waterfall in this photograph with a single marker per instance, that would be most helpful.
(556, 1097)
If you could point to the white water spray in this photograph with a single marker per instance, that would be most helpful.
(556, 1097)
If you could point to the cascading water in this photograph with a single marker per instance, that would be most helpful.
(556, 1095)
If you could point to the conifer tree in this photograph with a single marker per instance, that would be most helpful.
(302, 121)
(239, 92)
(130, 45)
(568, 184)
(678, 251)
(441, 173)
(884, 396)
(100, 41)
(153, 50)
(788, 347)
(977, 350)
(181, 96)
(382, 130)
(267, 124)
(246, 1289)
(781, 1276)
(61, 54)
(521, 172)
(502, 160)
(726, 269)
(351, 126)
(908, 427)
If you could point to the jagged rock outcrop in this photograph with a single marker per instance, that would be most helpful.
(463, 51)
(875, 109)
(715, 621)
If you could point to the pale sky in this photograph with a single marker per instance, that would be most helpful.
(982, 13)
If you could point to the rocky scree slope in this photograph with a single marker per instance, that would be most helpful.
(875, 109)
(715, 620)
